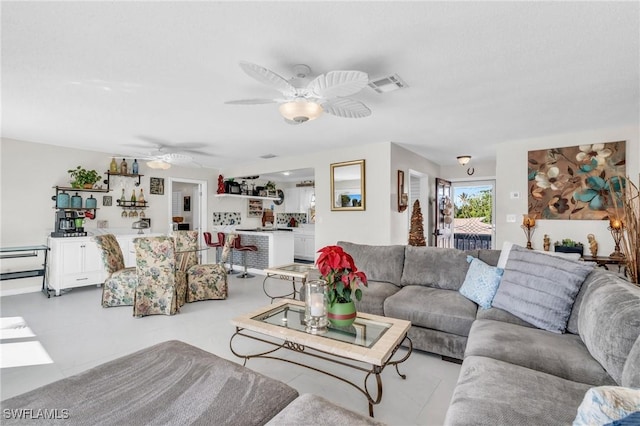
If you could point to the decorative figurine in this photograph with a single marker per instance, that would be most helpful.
(593, 245)
(547, 242)
(220, 184)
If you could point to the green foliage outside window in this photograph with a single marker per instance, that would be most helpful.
(478, 205)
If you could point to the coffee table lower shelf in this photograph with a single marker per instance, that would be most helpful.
(369, 369)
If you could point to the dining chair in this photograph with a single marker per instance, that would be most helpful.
(120, 286)
(156, 266)
(209, 281)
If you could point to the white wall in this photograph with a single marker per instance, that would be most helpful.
(367, 227)
(512, 176)
(30, 170)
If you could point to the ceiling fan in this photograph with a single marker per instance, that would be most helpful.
(325, 93)
(161, 154)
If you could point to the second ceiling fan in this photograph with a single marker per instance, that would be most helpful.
(325, 93)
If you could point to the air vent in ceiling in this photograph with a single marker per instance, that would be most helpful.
(268, 156)
(387, 84)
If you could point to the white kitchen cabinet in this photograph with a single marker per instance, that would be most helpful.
(298, 200)
(304, 246)
(74, 262)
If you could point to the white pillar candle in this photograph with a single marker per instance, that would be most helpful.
(316, 304)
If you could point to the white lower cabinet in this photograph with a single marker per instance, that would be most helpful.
(74, 262)
(304, 246)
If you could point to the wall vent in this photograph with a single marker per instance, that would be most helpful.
(387, 84)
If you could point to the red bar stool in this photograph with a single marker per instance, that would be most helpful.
(237, 245)
(218, 245)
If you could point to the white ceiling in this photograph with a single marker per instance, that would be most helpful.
(107, 75)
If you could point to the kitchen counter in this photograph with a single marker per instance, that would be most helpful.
(275, 248)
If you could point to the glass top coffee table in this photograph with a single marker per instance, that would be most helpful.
(369, 345)
(294, 272)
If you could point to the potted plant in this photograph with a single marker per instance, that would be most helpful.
(83, 178)
(338, 269)
(568, 246)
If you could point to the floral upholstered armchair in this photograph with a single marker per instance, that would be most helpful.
(119, 287)
(186, 243)
(209, 281)
(155, 264)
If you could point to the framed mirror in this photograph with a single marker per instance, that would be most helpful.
(348, 186)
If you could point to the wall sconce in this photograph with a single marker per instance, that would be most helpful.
(463, 160)
(528, 225)
(403, 197)
(616, 227)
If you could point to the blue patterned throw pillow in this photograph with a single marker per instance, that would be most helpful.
(481, 282)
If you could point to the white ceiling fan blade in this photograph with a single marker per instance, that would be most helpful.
(346, 108)
(338, 83)
(268, 77)
(251, 101)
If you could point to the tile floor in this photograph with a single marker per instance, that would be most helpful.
(79, 334)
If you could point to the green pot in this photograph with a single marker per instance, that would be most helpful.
(342, 314)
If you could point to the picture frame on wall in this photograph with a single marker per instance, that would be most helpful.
(148, 220)
(187, 204)
(156, 186)
(107, 200)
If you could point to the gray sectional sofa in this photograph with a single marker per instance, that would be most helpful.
(513, 373)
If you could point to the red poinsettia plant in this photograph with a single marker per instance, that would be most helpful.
(338, 269)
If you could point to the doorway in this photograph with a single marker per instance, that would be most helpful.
(474, 215)
(188, 203)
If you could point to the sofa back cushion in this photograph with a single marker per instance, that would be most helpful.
(597, 278)
(379, 263)
(490, 257)
(434, 267)
(609, 323)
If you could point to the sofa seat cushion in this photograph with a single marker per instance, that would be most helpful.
(498, 314)
(311, 409)
(492, 392)
(434, 267)
(374, 295)
(563, 355)
(442, 310)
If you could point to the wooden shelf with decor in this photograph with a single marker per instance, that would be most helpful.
(107, 181)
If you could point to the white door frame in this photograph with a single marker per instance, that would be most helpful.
(201, 226)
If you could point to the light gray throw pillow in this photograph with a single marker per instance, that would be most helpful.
(539, 288)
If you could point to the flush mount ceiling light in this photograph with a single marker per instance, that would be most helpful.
(158, 164)
(300, 110)
(464, 159)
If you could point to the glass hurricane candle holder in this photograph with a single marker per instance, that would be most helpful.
(315, 308)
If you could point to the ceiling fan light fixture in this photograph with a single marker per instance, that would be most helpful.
(300, 110)
(158, 164)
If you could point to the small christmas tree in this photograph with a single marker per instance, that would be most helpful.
(416, 233)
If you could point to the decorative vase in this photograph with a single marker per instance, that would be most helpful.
(342, 314)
